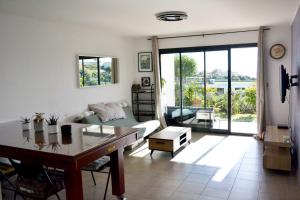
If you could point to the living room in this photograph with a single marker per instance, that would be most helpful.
(42, 42)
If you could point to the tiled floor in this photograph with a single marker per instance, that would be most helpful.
(212, 167)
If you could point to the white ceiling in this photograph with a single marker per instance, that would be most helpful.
(136, 17)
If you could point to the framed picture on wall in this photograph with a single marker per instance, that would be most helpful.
(145, 81)
(145, 62)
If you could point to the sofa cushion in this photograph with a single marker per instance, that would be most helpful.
(92, 119)
(145, 128)
(80, 116)
(108, 111)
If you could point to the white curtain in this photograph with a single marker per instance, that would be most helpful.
(261, 87)
(159, 115)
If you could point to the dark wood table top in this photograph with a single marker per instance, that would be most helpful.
(84, 138)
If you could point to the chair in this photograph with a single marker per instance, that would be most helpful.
(36, 182)
(6, 172)
(98, 166)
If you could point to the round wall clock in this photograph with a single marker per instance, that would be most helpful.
(277, 51)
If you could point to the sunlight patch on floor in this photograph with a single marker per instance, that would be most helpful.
(193, 152)
(141, 151)
(226, 155)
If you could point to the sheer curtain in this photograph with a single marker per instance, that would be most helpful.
(159, 115)
(260, 87)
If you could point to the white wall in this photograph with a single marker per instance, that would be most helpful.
(38, 69)
(276, 111)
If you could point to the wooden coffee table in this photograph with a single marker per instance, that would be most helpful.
(170, 139)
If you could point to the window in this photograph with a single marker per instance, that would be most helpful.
(95, 71)
(211, 87)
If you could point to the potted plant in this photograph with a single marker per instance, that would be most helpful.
(39, 140)
(25, 123)
(53, 141)
(38, 122)
(52, 124)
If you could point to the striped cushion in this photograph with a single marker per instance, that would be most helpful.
(98, 164)
(6, 168)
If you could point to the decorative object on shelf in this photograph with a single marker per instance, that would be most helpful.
(145, 81)
(52, 124)
(145, 62)
(135, 87)
(38, 122)
(277, 51)
(25, 123)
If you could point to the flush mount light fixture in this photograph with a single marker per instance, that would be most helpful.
(171, 16)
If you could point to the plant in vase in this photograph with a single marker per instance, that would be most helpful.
(52, 124)
(25, 123)
(39, 140)
(53, 142)
(38, 122)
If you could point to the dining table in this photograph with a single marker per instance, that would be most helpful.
(70, 152)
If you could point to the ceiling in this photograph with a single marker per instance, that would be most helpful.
(136, 17)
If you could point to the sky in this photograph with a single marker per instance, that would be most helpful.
(243, 60)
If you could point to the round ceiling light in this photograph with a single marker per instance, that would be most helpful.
(171, 16)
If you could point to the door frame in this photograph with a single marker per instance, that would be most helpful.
(205, 49)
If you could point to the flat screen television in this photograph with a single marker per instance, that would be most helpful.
(284, 83)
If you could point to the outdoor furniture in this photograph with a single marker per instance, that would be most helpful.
(205, 115)
(173, 114)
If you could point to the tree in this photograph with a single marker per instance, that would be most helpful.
(188, 64)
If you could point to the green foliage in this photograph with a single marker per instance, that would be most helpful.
(192, 92)
(52, 120)
(243, 101)
(244, 117)
(90, 75)
(188, 64)
(39, 117)
(250, 96)
(25, 120)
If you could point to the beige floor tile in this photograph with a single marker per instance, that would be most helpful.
(243, 195)
(217, 193)
(252, 176)
(272, 196)
(160, 178)
(199, 178)
(242, 184)
(203, 197)
(184, 196)
(191, 187)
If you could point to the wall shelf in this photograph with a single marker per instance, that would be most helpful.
(143, 102)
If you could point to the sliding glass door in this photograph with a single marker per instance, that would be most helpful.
(217, 87)
(211, 88)
(243, 90)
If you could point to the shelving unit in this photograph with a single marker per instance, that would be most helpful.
(143, 102)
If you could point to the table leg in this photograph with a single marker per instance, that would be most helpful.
(151, 152)
(73, 183)
(117, 173)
